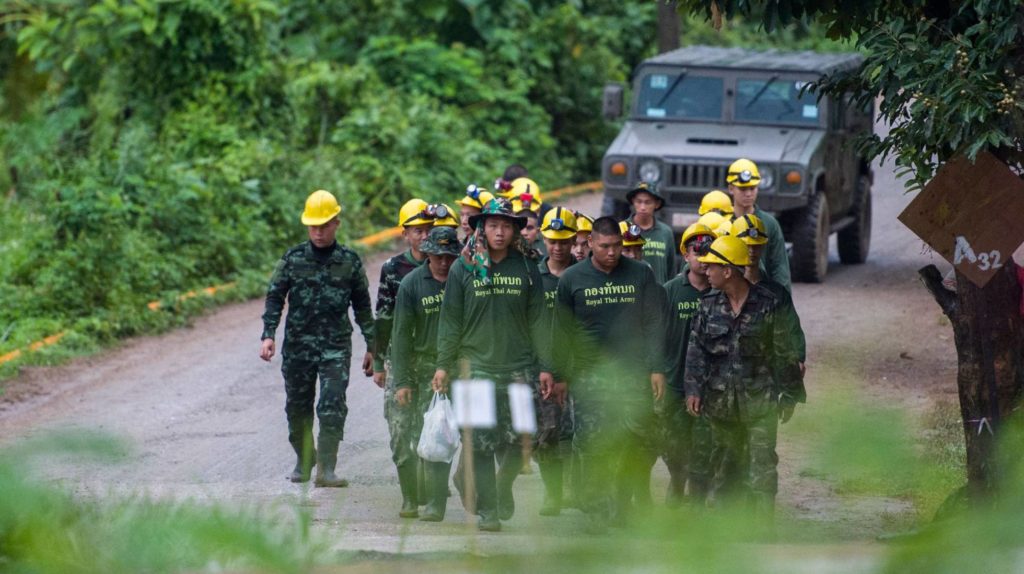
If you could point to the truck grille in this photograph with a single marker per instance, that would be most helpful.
(701, 176)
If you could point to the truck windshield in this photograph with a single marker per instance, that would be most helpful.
(775, 101)
(679, 96)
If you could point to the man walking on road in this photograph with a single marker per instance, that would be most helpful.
(609, 325)
(743, 179)
(743, 371)
(659, 241)
(320, 280)
(493, 316)
(413, 356)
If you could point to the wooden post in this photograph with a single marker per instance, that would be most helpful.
(989, 334)
(668, 26)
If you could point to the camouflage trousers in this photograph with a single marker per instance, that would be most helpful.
(744, 432)
(685, 447)
(405, 423)
(616, 439)
(301, 370)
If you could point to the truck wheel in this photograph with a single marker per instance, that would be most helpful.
(614, 207)
(855, 240)
(810, 241)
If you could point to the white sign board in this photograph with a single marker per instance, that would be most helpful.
(524, 418)
(473, 402)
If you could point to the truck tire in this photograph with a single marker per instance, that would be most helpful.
(614, 207)
(810, 241)
(855, 240)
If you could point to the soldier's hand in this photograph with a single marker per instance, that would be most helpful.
(658, 385)
(379, 378)
(267, 349)
(693, 405)
(560, 392)
(786, 412)
(368, 364)
(547, 382)
(403, 396)
(440, 381)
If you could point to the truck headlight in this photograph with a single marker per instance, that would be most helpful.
(650, 171)
(767, 178)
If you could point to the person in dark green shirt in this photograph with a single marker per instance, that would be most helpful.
(320, 280)
(743, 179)
(609, 337)
(554, 419)
(493, 318)
(659, 245)
(413, 358)
(687, 440)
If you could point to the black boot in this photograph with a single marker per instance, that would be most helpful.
(407, 482)
(436, 474)
(326, 460)
(551, 473)
(301, 439)
(486, 491)
(511, 458)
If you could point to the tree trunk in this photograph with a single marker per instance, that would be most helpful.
(989, 334)
(668, 26)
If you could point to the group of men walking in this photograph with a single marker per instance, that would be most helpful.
(630, 360)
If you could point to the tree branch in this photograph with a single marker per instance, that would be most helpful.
(946, 299)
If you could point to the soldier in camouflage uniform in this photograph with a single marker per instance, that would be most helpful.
(493, 317)
(743, 371)
(320, 280)
(416, 221)
(413, 357)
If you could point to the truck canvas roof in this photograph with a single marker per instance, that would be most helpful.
(760, 60)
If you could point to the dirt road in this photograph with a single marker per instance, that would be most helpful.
(205, 416)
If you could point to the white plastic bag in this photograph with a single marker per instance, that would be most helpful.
(440, 437)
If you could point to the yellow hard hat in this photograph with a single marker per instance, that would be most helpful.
(631, 234)
(521, 186)
(743, 173)
(727, 250)
(750, 229)
(559, 223)
(476, 196)
(525, 202)
(712, 219)
(446, 220)
(715, 200)
(321, 207)
(414, 213)
(696, 230)
(584, 224)
(724, 228)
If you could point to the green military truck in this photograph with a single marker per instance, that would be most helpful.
(696, 109)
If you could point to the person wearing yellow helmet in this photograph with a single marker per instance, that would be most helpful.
(503, 185)
(750, 229)
(447, 219)
(712, 219)
(554, 429)
(743, 371)
(743, 179)
(686, 446)
(659, 241)
(609, 314)
(715, 201)
(632, 241)
(471, 204)
(528, 206)
(320, 280)
(417, 218)
(581, 245)
(724, 228)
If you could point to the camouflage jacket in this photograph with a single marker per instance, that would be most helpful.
(319, 293)
(391, 275)
(750, 354)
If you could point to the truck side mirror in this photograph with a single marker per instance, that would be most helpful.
(611, 103)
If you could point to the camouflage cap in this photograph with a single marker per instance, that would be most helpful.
(498, 207)
(441, 241)
(648, 188)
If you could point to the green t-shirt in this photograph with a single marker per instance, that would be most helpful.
(498, 326)
(774, 261)
(683, 303)
(660, 250)
(609, 323)
(416, 316)
(788, 318)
